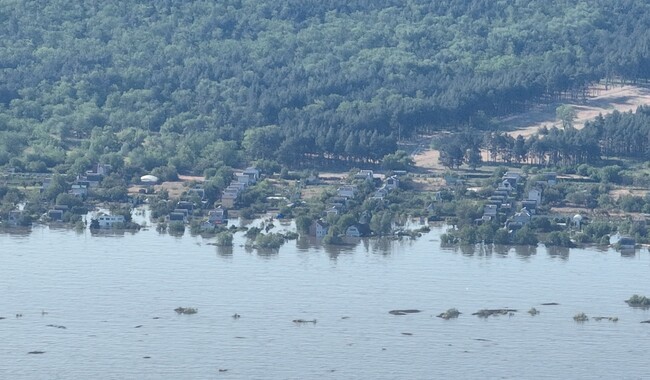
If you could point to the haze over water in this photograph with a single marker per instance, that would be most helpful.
(116, 297)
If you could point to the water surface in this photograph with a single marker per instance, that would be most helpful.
(116, 294)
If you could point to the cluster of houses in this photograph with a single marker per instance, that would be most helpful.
(339, 203)
(91, 179)
(248, 177)
(185, 208)
(505, 195)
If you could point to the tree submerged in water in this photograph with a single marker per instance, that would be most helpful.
(638, 301)
(224, 239)
(449, 314)
(580, 317)
(269, 241)
(186, 310)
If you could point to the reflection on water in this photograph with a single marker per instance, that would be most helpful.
(225, 252)
(525, 251)
(558, 252)
(628, 252)
(15, 231)
(487, 250)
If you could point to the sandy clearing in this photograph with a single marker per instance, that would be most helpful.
(428, 159)
(622, 99)
(174, 189)
(617, 193)
(188, 178)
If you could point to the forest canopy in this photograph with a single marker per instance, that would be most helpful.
(189, 84)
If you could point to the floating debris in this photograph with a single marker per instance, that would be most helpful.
(1, 318)
(186, 310)
(57, 326)
(533, 311)
(482, 340)
(494, 312)
(580, 317)
(19, 315)
(137, 327)
(404, 312)
(146, 357)
(639, 301)
(648, 321)
(236, 316)
(611, 319)
(35, 352)
(407, 334)
(345, 317)
(551, 304)
(223, 370)
(155, 318)
(302, 321)
(449, 314)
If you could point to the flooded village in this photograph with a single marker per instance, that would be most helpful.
(500, 206)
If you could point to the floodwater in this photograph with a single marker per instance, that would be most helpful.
(102, 307)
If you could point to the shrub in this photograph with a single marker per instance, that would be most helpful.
(638, 301)
(272, 240)
(224, 239)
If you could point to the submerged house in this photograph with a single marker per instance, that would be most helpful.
(14, 218)
(318, 228)
(55, 215)
(626, 242)
(519, 219)
(217, 216)
(358, 230)
(110, 221)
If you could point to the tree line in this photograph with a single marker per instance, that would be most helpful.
(619, 134)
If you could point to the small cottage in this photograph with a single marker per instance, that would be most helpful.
(535, 195)
(357, 230)
(217, 216)
(368, 175)
(55, 215)
(110, 221)
(392, 183)
(252, 173)
(489, 212)
(519, 219)
(178, 216)
(346, 191)
(318, 229)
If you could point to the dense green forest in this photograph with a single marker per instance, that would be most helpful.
(192, 85)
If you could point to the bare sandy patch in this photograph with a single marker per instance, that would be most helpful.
(428, 159)
(312, 192)
(175, 189)
(637, 192)
(429, 184)
(190, 178)
(622, 99)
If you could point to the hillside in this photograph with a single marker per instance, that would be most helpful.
(193, 85)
